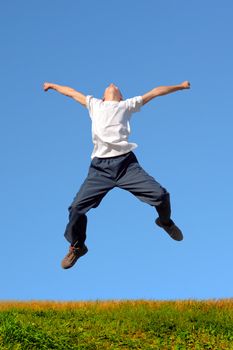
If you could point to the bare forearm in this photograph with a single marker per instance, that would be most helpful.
(164, 90)
(64, 90)
(67, 91)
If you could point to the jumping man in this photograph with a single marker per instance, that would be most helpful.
(113, 163)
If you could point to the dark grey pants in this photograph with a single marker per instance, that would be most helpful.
(104, 174)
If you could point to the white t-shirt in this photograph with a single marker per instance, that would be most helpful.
(110, 125)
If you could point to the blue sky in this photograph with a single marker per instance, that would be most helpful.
(184, 139)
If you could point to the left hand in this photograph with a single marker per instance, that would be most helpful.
(185, 85)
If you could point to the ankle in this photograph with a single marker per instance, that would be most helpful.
(167, 223)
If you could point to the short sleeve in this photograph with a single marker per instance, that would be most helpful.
(134, 104)
(91, 104)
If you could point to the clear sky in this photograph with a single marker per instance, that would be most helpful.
(184, 141)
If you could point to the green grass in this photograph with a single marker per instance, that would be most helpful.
(117, 325)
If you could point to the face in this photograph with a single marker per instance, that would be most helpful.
(112, 93)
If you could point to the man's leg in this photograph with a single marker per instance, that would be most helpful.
(145, 188)
(94, 188)
(148, 190)
(92, 191)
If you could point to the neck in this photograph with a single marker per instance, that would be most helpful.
(112, 98)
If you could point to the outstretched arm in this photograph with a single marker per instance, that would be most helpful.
(67, 91)
(164, 90)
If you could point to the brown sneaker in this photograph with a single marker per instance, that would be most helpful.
(173, 231)
(72, 256)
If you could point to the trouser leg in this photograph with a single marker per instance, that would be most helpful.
(75, 231)
(146, 188)
(164, 209)
(91, 193)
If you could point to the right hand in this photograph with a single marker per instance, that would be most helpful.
(47, 86)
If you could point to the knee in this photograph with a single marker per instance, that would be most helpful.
(75, 210)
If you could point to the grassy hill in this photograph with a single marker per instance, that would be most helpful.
(117, 325)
